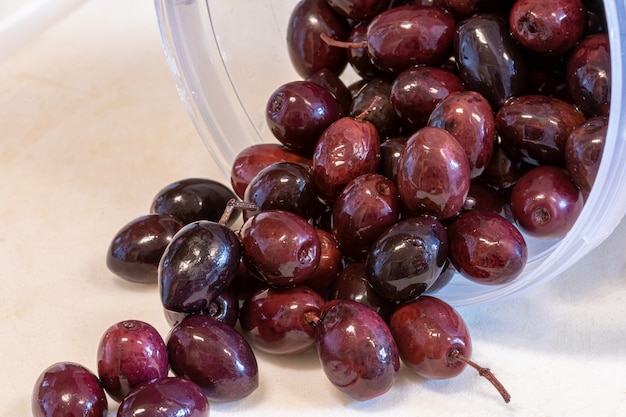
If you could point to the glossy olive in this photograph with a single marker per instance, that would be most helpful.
(545, 202)
(390, 151)
(68, 389)
(352, 284)
(468, 116)
(347, 149)
(356, 349)
(489, 60)
(254, 158)
(407, 259)
(281, 248)
(192, 199)
(130, 352)
(281, 321)
(200, 263)
(330, 263)
(383, 115)
(307, 52)
(433, 173)
(358, 57)
(583, 151)
(282, 186)
(589, 75)
(165, 397)
(224, 307)
(535, 128)
(427, 330)
(548, 27)
(416, 91)
(363, 211)
(213, 355)
(298, 112)
(404, 36)
(503, 170)
(486, 248)
(136, 249)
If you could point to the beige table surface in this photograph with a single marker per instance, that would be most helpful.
(92, 128)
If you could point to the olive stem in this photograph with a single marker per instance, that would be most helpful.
(233, 204)
(312, 318)
(361, 116)
(484, 372)
(342, 44)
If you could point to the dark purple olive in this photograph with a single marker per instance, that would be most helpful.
(489, 60)
(535, 128)
(193, 199)
(547, 76)
(589, 75)
(136, 249)
(416, 92)
(383, 116)
(298, 112)
(433, 173)
(545, 203)
(224, 307)
(407, 259)
(459, 8)
(352, 284)
(503, 170)
(468, 116)
(427, 330)
(68, 389)
(583, 151)
(596, 17)
(200, 262)
(281, 321)
(245, 282)
(363, 211)
(333, 83)
(443, 279)
(434, 341)
(486, 248)
(129, 353)
(358, 57)
(548, 27)
(484, 197)
(213, 355)
(254, 158)
(404, 36)
(280, 248)
(165, 397)
(390, 151)
(307, 51)
(283, 186)
(356, 349)
(349, 148)
(331, 263)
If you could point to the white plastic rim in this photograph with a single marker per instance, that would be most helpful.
(227, 57)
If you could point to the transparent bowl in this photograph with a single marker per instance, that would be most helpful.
(227, 57)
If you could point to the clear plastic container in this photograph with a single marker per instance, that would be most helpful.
(227, 57)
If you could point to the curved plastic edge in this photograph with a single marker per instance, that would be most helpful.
(204, 52)
(588, 232)
(199, 46)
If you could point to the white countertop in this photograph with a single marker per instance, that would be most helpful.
(92, 128)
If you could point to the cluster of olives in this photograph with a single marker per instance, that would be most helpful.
(472, 125)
